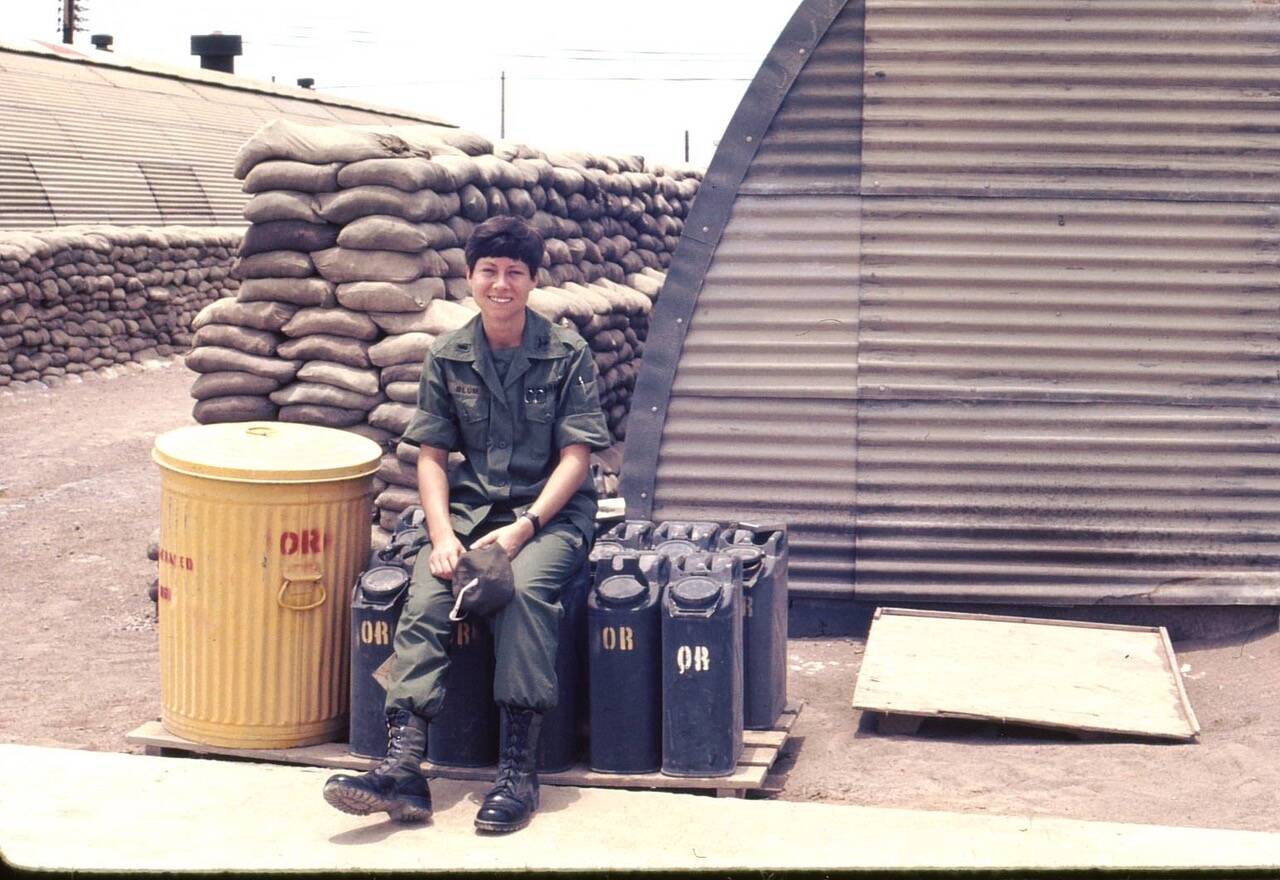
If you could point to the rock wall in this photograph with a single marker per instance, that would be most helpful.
(81, 298)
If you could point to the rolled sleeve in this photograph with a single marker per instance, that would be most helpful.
(579, 418)
(434, 423)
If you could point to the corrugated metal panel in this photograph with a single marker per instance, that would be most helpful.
(22, 197)
(178, 194)
(813, 143)
(1154, 99)
(1055, 502)
(89, 191)
(86, 127)
(1070, 300)
(759, 419)
(727, 458)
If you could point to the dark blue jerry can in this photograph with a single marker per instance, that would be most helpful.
(560, 743)
(700, 533)
(601, 551)
(702, 672)
(464, 733)
(633, 534)
(375, 609)
(624, 660)
(764, 552)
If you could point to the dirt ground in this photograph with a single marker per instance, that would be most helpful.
(79, 498)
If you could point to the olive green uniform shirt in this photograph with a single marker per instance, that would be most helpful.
(510, 428)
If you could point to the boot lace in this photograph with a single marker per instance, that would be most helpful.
(509, 760)
(395, 744)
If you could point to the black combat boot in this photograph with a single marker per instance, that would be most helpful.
(510, 803)
(396, 785)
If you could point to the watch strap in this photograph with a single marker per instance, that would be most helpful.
(533, 518)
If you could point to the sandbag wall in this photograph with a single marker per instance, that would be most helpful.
(82, 298)
(353, 264)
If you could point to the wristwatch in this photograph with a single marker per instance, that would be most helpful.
(533, 518)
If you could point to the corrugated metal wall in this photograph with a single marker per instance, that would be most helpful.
(1054, 292)
(92, 143)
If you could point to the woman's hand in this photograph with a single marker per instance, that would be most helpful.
(444, 557)
(511, 538)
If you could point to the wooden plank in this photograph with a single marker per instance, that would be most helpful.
(767, 738)
(1053, 673)
(152, 735)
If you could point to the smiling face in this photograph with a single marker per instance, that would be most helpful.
(501, 287)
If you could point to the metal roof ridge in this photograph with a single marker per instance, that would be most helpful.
(71, 55)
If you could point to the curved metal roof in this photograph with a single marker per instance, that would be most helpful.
(982, 299)
(96, 139)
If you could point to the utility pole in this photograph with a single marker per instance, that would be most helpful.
(502, 105)
(68, 20)
(686, 145)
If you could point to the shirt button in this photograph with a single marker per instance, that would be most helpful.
(502, 444)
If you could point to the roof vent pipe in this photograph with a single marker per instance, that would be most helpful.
(102, 41)
(307, 82)
(217, 51)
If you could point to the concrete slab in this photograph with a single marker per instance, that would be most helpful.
(95, 810)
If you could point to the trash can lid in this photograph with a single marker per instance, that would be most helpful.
(696, 592)
(621, 591)
(383, 580)
(267, 452)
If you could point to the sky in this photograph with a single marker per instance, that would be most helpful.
(609, 77)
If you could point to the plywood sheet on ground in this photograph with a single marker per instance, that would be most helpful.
(1084, 676)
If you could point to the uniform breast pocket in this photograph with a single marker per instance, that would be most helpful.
(473, 416)
(539, 414)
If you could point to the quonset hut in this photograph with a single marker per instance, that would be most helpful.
(983, 300)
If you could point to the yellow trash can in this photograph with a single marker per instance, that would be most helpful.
(264, 527)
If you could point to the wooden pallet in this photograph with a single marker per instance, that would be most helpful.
(759, 753)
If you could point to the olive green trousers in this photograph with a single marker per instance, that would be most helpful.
(525, 632)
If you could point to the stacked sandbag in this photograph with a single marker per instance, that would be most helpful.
(355, 246)
(82, 298)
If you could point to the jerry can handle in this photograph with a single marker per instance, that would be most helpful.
(302, 577)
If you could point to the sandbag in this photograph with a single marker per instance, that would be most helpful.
(402, 373)
(361, 381)
(433, 264)
(282, 138)
(396, 498)
(244, 339)
(269, 316)
(325, 395)
(216, 359)
(409, 175)
(457, 289)
(341, 265)
(440, 316)
(393, 417)
(395, 472)
(296, 291)
(284, 174)
(462, 170)
(234, 408)
(288, 235)
(471, 203)
(455, 262)
(275, 264)
(403, 392)
(384, 232)
(274, 205)
(232, 383)
(408, 453)
(402, 349)
(387, 296)
(318, 414)
(362, 201)
(324, 347)
(336, 321)
(385, 439)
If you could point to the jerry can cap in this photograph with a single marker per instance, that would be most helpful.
(676, 547)
(621, 591)
(695, 592)
(382, 581)
(605, 550)
(750, 554)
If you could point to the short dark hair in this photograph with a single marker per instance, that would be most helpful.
(508, 237)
